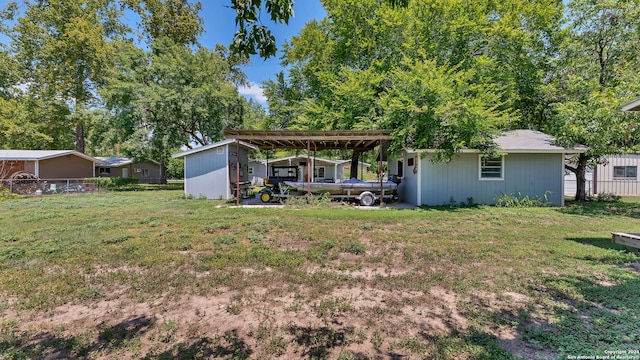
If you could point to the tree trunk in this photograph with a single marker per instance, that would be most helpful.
(580, 170)
(163, 171)
(80, 135)
(355, 161)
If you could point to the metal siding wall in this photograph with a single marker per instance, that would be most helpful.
(605, 181)
(408, 188)
(535, 175)
(206, 174)
(458, 180)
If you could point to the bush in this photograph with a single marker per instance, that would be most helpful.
(605, 197)
(5, 194)
(113, 183)
(511, 200)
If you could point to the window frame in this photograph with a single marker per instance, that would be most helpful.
(481, 167)
(625, 171)
(316, 172)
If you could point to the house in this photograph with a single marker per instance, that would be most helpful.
(48, 164)
(147, 172)
(324, 170)
(617, 174)
(530, 165)
(210, 171)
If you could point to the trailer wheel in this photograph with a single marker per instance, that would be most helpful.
(367, 199)
(265, 197)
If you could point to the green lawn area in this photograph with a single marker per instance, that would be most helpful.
(149, 274)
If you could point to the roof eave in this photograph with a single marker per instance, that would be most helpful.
(633, 105)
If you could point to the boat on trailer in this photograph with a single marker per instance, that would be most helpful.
(347, 187)
(283, 184)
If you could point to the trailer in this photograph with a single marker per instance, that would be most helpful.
(283, 184)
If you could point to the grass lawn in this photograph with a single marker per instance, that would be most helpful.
(149, 274)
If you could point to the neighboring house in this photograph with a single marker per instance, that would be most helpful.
(48, 164)
(210, 171)
(618, 174)
(147, 172)
(531, 165)
(324, 170)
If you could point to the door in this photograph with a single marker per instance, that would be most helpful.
(125, 173)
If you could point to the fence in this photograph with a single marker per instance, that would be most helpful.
(47, 186)
(617, 187)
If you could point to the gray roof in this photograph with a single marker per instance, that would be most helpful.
(33, 155)
(531, 141)
(212, 146)
(114, 161)
(633, 105)
(525, 141)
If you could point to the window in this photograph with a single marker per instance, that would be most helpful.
(250, 170)
(220, 150)
(400, 168)
(319, 172)
(103, 171)
(625, 172)
(491, 168)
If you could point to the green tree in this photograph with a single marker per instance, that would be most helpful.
(595, 73)
(488, 57)
(65, 46)
(172, 96)
(178, 20)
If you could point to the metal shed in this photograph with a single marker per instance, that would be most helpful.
(216, 171)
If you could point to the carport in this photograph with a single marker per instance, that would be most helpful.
(355, 140)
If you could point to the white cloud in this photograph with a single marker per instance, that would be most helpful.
(253, 90)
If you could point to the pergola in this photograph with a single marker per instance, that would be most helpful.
(357, 140)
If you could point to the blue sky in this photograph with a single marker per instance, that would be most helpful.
(219, 26)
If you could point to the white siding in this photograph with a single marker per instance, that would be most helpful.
(606, 182)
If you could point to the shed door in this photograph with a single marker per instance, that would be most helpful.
(125, 173)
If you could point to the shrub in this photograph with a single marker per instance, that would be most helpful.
(5, 194)
(113, 183)
(511, 200)
(605, 197)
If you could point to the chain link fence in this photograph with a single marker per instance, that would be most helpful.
(47, 186)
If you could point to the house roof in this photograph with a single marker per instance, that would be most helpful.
(633, 105)
(114, 161)
(527, 141)
(212, 146)
(531, 141)
(34, 155)
(359, 140)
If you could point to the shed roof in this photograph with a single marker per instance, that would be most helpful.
(304, 157)
(34, 155)
(212, 146)
(359, 140)
(633, 105)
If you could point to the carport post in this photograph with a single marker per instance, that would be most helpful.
(380, 172)
(308, 168)
(237, 172)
